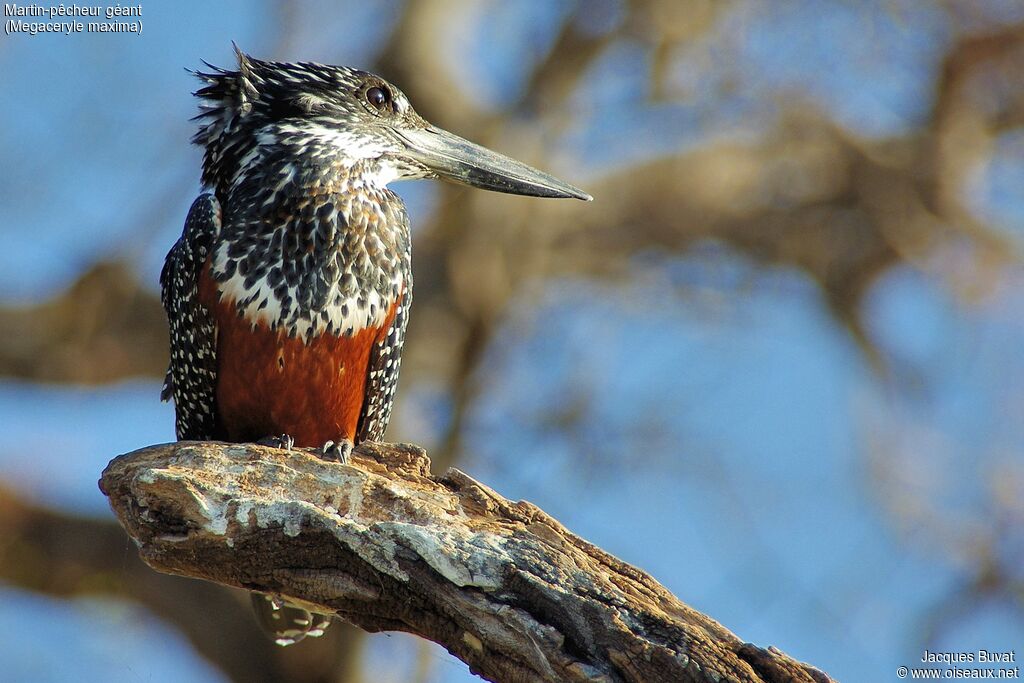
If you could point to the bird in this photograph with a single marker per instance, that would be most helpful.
(288, 293)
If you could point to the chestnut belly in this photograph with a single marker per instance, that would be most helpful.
(269, 384)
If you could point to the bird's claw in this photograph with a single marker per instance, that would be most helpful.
(285, 441)
(287, 622)
(336, 451)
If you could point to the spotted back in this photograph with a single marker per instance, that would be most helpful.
(192, 373)
(382, 374)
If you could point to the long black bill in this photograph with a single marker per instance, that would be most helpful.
(462, 161)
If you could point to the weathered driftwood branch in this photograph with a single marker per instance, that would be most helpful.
(385, 545)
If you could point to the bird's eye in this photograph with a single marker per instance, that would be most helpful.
(378, 97)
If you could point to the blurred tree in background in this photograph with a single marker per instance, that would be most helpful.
(789, 328)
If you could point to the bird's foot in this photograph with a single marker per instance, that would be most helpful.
(336, 451)
(287, 623)
(284, 441)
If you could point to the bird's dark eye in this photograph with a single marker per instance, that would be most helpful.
(378, 97)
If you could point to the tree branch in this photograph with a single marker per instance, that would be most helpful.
(387, 546)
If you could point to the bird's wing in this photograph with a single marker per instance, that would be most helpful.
(192, 375)
(382, 373)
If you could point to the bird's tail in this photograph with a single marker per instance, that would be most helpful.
(285, 622)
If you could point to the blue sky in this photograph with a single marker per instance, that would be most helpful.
(766, 425)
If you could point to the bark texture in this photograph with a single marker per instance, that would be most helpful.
(387, 546)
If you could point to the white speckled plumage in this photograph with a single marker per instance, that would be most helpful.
(300, 232)
(305, 248)
(308, 240)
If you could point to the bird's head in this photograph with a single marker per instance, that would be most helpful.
(352, 115)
